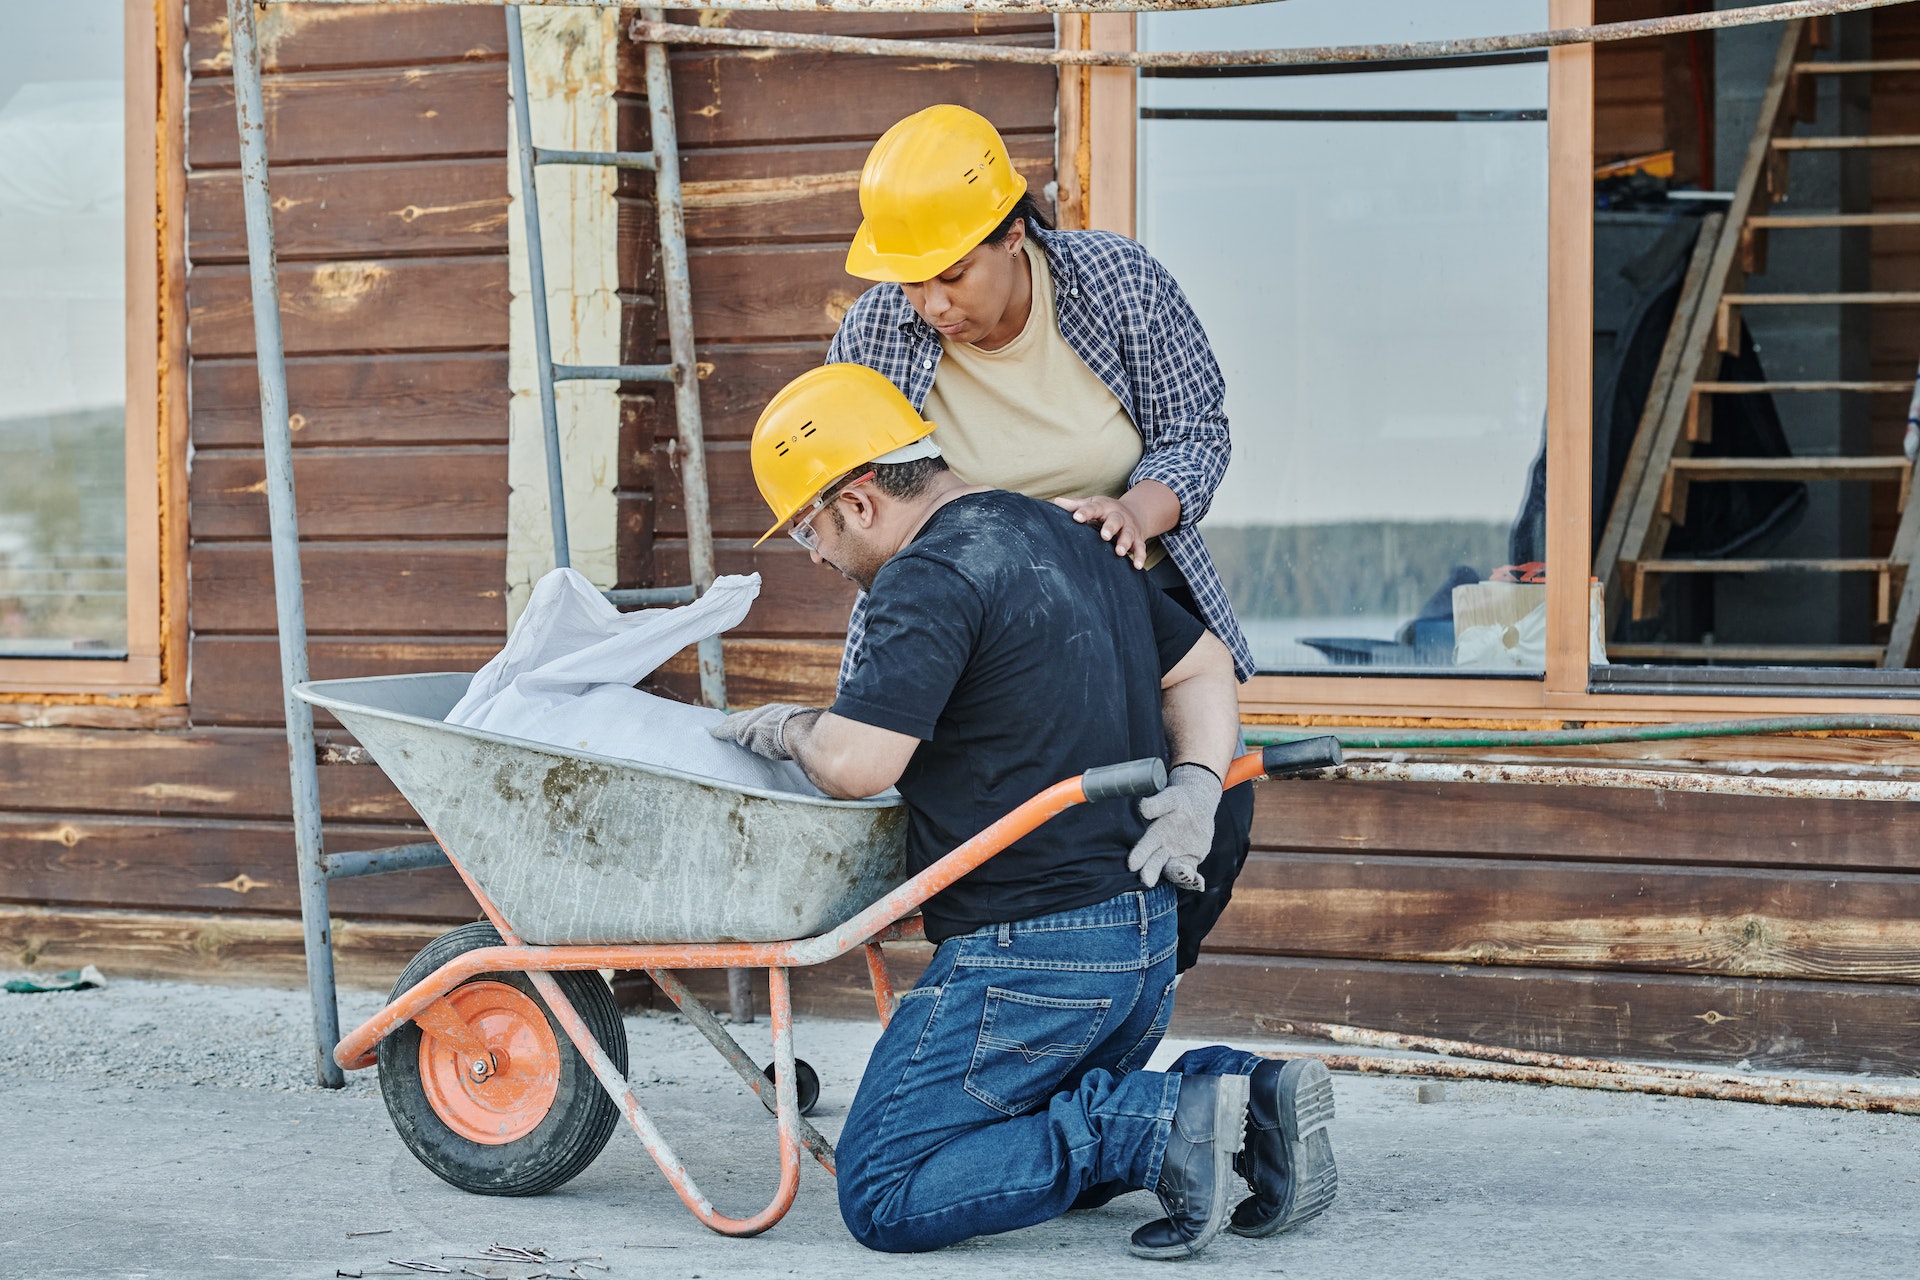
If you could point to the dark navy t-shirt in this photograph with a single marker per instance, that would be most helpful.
(1020, 650)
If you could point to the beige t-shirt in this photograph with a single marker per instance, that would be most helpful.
(1032, 417)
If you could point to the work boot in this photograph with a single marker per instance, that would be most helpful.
(1288, 1161)
(1196, 1172)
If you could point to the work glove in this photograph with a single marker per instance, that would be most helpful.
(1179, 829)
(760, 730)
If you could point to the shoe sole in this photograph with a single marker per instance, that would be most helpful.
(1229, 1135)
(1306, 1109)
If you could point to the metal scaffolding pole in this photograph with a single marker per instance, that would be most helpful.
(288, 598)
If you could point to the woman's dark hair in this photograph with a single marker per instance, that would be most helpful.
(1024, 208)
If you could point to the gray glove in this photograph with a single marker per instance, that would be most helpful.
(760, 730)
(1179, 829)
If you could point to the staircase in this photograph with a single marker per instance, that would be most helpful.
(1660, 469)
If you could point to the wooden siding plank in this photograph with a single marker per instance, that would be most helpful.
(1662, 919)
(416, 304)
(205, 865)
(731, 98)
(253, 950)
(806, 672)
(799, 600)
(458, 398)
(774, 192)
(236, 679)
(337, 116)
(357, 210)
(1585, 823)
(210, 773)
(443, 492)
(1799, 1026)
(738, 381)
(736, 508)
(772, 293)
(321, 37)
(363, 588)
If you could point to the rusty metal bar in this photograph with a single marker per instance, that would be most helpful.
(1630, 779)
(1499, 1073)
(289, 598)
(1638, 29)
(717, 1035)
(855, 6)
(676, 277)
(1366, 1038)
(537, 287)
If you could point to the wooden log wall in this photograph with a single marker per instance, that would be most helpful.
(771, 155)
(1621, 922)
(172, 851)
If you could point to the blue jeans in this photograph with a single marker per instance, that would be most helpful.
(1008, 1083)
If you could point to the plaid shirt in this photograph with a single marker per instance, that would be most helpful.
(1125, 316)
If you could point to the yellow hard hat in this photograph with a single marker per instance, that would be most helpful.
(933, 187)
(821, 426)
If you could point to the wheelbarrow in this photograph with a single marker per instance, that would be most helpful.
(501, 1054)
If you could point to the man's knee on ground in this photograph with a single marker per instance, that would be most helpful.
(864, 1207)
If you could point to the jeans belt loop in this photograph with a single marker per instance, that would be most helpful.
(1143, 913)
(1006, 934)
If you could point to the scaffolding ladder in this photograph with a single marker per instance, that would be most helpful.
(315, 867)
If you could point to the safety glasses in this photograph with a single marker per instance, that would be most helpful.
(802, 530)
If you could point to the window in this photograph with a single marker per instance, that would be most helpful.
(1368, 249)
(82, 125)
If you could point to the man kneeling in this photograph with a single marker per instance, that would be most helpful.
(1009, 648)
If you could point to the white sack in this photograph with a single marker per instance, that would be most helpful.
(1515, 646)
(567, 674)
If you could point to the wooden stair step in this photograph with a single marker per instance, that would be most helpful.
(1701, 469)
(1643, 576)
(1849, 142)
(1751, 388)
(1863, 67)
(1781, 221)
(1786, 655)
(1770, 564)
(1727, 322)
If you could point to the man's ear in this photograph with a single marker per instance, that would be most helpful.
(860, 509)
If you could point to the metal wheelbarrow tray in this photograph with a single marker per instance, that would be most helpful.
(578, 849)
(492, 1045)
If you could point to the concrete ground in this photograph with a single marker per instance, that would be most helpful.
(166, 1130)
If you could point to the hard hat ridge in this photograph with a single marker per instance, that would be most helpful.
(821, 426)
(935, 185)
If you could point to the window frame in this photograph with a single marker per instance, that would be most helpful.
(1100, 160)
(153, 674)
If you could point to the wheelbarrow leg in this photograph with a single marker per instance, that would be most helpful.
(883, 997)
(717, 1035)
(787, 1109)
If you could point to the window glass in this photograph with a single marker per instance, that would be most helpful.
(62, 330)
(1368, 252)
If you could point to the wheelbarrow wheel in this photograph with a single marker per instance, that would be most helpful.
(806, 1083)
(530, 1118)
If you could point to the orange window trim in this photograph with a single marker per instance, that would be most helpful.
(153, 675)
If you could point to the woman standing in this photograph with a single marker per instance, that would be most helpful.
(1065, 365)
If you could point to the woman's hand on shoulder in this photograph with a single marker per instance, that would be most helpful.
(1119, 524)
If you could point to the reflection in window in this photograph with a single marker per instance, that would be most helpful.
(62, 330)
(1368, 252)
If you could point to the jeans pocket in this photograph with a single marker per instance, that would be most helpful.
(1137, 1056)
(1027, 1045)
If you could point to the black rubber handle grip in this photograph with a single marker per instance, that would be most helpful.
(1303, 756)
(1134, 778)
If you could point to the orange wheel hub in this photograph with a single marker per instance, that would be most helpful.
(505, 1095)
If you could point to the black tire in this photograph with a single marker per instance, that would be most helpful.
(806, 1084)
(577, 1125)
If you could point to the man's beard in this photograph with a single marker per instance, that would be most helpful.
(856, 563)
(860, 573)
